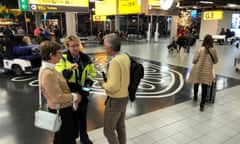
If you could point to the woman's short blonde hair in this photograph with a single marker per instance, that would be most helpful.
(73, 38)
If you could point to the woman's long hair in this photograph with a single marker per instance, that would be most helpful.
(208, 41)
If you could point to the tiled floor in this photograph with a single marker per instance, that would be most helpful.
(185, 124)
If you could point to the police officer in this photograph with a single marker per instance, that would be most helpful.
(79, 72)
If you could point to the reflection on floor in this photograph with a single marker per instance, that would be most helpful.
(163, 85)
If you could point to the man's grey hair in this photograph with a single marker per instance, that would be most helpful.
(113, 41)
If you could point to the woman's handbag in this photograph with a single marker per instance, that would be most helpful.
(47, 120)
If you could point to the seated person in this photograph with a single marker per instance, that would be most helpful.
(222, 32)
(228, 33)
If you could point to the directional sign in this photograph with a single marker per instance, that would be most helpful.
(212, 15)
(23, 5)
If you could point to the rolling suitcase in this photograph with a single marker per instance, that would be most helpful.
(237, 63)
(211, 92)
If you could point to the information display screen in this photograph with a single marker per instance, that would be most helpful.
(59, 5)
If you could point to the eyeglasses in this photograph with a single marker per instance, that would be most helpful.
(74, 46)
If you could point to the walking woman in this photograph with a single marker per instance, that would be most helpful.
(202, 72)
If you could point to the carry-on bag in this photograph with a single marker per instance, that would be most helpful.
(211, 92)
(237, 63)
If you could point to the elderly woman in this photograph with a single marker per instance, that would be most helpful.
(202, 72)
(56, 91)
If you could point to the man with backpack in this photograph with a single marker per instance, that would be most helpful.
(116, 86)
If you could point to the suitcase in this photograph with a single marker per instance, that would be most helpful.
(237, 63)
(211, 92)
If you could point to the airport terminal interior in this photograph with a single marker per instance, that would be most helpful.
(164, 111)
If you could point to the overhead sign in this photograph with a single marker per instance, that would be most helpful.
(59, 5)
(154, 2)
(106, 7)
(109, 7)
(23, 5)
(99, 18)
(212, 15)
(129, 6)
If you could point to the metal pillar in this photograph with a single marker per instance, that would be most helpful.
(38, 22)
(25, 17)
(70, 23)
(149, 32)
(117, 23)
(91, 22)
(156, 33)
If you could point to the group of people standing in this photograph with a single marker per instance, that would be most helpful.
(53, 33)
(62, 78)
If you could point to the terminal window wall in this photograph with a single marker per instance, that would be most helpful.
(83, 25)
(235, 25)
(133, 24)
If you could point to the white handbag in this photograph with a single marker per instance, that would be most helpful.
(47, 120)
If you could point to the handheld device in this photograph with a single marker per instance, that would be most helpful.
(86, 89)
(104, 77)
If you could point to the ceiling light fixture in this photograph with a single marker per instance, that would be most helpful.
(194, 7)
(166, 4)
(231, 5)
(206, 2)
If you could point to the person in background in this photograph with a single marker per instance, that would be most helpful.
(222, 32)
(7, 31)
(172, 45)
(228, 33)
(182, 37)
(27, 40)
(116, 86)
(36, 32)
(56, 91)
(202, 72)
(79, 71)
(46, 34)
(20, 30)
(57, 33)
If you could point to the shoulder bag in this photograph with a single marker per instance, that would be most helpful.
(213, 69)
